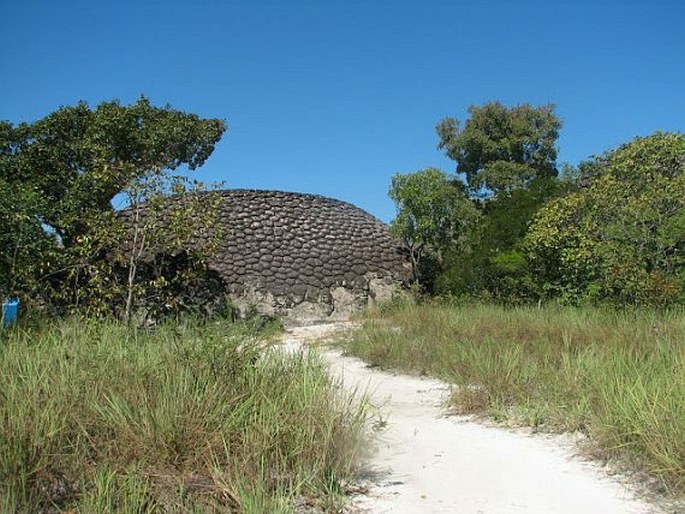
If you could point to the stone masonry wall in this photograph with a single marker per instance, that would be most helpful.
(303, 256)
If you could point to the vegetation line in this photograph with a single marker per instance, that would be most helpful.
(617, 376)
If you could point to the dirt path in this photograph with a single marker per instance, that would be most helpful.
(426, 462)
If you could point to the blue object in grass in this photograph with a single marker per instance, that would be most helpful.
(10, 310)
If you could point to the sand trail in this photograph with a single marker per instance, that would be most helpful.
(426, 462)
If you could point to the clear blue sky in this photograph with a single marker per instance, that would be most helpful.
(334, 97)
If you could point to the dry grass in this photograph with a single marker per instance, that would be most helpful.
(617, 376)
(98, 417)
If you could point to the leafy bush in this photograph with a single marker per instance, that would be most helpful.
(622, 238)
(58, 178)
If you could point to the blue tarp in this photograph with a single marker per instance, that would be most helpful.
(10, 311)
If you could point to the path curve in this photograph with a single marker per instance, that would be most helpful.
(426, 462)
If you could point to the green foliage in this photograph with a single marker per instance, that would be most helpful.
(500, 148)
(25, 248)
(622, 238)
(149, 260)
(161, 229)
(610, 228)
(27, 251)
(508, 156)
(434, 215)
(78, 159)
(58, 177)
(496, 265)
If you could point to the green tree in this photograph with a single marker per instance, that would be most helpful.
(496, 264)
(78, 159)
(26, 249)
(434, 216)
(508, 156)
(500, 149)
(160, 228)
(61, 174)
(144, 261)
(621, 238)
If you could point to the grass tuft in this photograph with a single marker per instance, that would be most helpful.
(99, 417)
(618, 376)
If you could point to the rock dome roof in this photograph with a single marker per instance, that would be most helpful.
(301, 245)
(303, 257)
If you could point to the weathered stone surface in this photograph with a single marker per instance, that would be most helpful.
(307, 250)
(381, 290)
(302, 256)
(345, 302)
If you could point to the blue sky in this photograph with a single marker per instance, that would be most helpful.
(334, 97)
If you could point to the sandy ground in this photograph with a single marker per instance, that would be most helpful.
(426, 462)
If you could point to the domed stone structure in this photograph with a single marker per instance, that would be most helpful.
(303, 256)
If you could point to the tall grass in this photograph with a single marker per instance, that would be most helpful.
(617, 376)
(97, 417)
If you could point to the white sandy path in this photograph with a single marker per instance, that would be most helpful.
(426, 462)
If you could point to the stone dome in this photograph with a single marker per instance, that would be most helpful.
(304, 256)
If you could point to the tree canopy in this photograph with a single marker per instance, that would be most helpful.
(507, 156)
(500, 148)
(622, 237)
(434, 214)
(77, 159)
(611, 228)
(59, 175)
